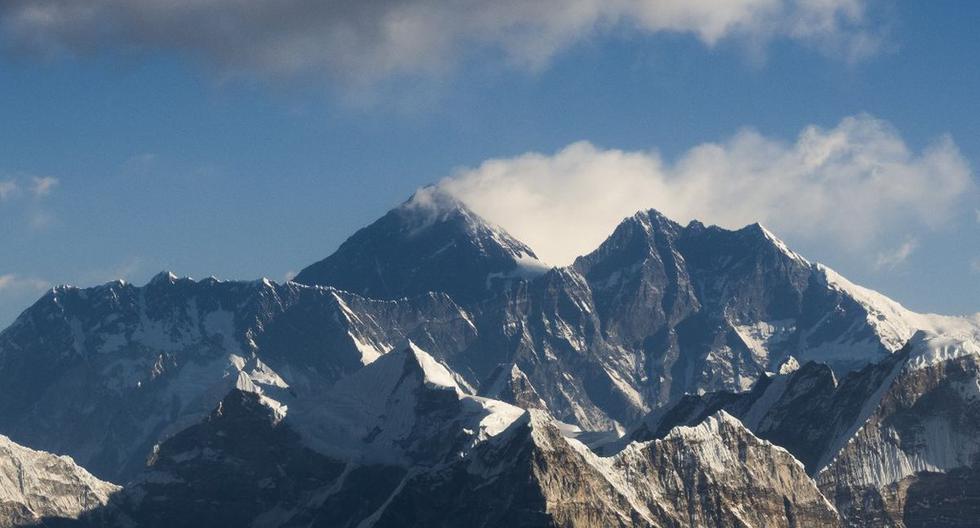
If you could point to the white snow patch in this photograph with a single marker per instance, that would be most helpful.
(435, 374)
(894, 323)
(760, 336)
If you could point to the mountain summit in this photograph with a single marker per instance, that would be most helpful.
(431, 242)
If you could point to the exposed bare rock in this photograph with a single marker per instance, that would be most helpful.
(36, 485)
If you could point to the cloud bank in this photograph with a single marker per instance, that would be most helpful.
(856, 185)
(358, 41)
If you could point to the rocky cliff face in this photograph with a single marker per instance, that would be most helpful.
(717, 473)
(243, 465)
(922, 437)
(35, 485)
(884, 444)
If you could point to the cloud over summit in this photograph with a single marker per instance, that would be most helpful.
(855, 185)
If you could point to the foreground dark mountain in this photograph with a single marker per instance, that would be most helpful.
(244, 464)
(391, 388)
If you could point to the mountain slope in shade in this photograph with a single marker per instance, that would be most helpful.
(530, 475)
(35, 485)
(432, 242)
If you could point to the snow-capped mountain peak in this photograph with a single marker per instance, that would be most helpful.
(431, 242)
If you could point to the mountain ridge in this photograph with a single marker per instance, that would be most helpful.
(498, 374)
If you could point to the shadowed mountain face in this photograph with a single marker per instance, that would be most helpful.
(244, 465)
(104, 373)
(400, 368)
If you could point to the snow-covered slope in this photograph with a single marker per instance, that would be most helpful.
(893, 323)
(406, 408)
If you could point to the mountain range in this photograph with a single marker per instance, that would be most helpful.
(434, 372)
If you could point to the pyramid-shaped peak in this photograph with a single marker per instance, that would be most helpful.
(431, 242)
(653, 220)
(633, 240)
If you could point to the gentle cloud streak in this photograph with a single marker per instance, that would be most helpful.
(856, 185)
(8, 188)
(891, 259)
(361, 42)
(41, 186)
(10, 282)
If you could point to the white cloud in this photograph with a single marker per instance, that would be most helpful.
(364, 41)
(41, 186)
(855, 185)
(891, 259)
(22, 185)
(8, 188)
(37, 186)
(10, 282)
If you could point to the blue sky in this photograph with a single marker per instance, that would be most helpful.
(129, 147)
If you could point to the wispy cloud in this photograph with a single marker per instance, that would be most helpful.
(10, 282)
(36, 186)
(889, 260)
(8, 188)
(852, 185)
(357, 41)
(42, 185)
(24, 195)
